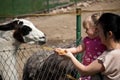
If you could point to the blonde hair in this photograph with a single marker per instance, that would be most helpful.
(92, 19)
(95, 17)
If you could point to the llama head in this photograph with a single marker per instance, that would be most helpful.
(24, 31)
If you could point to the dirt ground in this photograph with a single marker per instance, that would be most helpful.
(61, 28)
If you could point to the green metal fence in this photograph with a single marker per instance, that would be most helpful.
(18, 7)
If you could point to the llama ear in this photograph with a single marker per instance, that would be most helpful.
(15, 23)
(21, 23)
(15, 19)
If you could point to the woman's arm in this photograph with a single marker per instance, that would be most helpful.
(95, 67)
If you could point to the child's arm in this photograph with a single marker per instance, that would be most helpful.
(76, 50)
(73, 50)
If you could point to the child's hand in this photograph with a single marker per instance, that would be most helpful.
(60, 51)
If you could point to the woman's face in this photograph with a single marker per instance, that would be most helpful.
(101, 34)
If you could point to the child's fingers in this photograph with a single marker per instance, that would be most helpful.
(60, 51)
(63, 52)
(57, 49)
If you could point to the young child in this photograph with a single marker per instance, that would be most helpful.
(91, 44)
(107, 63)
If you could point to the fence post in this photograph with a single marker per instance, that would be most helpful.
(78, 33)
(48, 6)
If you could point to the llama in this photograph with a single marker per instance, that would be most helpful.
(53, 67)
(13, 34)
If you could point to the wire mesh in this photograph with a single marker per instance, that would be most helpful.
(34, 62)
(52, 67)
(12, 61)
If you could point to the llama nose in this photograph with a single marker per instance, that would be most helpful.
(42, 40)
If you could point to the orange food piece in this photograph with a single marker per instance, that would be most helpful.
(61, 51)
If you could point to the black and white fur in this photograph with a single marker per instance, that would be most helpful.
(53, 67)
(12, 35)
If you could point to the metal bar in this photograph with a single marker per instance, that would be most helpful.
(78, 34)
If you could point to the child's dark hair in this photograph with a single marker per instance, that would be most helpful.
(110, 22)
